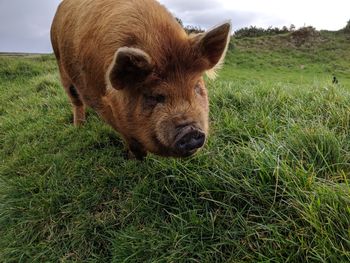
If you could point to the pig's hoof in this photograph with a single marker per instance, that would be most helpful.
(79, 123)
(136, 150)
(130, 155)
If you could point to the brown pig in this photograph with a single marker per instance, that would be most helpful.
(137, 68)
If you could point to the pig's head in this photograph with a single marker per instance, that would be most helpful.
(165, 101)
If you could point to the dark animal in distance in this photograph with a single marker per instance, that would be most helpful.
(335, 80)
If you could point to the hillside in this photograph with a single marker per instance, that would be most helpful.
(321, 56)
(271, 185)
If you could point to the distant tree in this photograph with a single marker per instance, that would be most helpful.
(285, 29)
(347, 28)
(179, 21)
(292, 28)
(189, 29)
(193, 29)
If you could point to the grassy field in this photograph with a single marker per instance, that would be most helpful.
(272, 184)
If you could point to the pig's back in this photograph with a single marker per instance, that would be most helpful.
(86, 33)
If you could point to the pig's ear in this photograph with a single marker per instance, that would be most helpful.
(129, 68)
(213, 45)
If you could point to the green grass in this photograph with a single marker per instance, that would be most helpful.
(272, 184)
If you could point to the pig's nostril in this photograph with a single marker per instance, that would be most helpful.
(190, 141)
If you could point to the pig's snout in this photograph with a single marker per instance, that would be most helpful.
(189, 140)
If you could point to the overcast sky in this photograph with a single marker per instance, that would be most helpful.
(25, 24)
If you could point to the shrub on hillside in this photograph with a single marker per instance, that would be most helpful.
(304, 35)
(254, 31)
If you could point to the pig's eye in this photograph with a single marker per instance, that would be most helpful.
(153, 100)
(198, 88)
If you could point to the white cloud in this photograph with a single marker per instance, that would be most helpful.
(25, 24)
(323, 14)
(188, 5)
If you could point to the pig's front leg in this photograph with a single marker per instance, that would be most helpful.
(136, 150)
